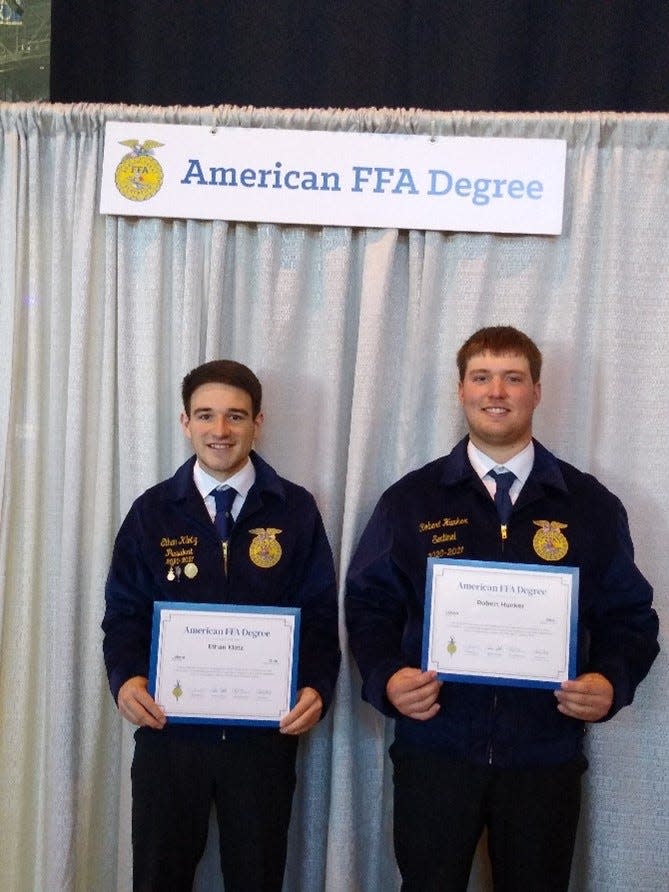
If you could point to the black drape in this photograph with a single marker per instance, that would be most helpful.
(497, 55)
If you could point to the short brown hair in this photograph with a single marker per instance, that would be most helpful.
(222, 371)
(500, 339)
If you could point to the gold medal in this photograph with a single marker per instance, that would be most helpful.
(190, 570)
(549, 541)
(264, 550)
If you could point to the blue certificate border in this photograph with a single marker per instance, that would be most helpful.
(496, 679)
(158, 608)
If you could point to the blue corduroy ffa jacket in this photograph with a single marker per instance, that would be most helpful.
(168, 528)
(443, 510)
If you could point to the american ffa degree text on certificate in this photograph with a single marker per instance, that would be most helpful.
(224, 664)
(497, 623)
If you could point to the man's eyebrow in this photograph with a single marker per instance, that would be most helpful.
(226, 411)
(509, 371)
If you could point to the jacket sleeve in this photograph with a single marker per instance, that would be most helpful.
(129, 608)
(377, 605)
(320, 654)
(624, 627)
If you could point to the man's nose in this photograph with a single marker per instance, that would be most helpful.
(221, 426)
(498, 386)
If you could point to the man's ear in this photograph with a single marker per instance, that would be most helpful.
(257, 421)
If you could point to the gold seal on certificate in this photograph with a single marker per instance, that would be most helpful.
(224, 664)
(497, 623)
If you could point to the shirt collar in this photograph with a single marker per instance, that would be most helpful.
(520, 464)
(242, 481)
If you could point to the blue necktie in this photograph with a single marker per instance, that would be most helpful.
(503, 504)
(223, 520)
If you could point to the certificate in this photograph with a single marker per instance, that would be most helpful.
(496, 623)
(224, 664)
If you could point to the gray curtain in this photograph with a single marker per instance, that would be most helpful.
(353, 333)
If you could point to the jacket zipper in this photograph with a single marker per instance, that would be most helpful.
(224, 548)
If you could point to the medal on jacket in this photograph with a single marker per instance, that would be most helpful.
(189, 570)
(549, 541)
(264, 550)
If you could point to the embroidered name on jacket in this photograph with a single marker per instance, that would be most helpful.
(179, 556)
(444, 531)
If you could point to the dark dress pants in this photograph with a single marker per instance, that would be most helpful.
(443, 806)
(175, 779)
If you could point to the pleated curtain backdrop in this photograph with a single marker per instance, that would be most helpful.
(353, 333)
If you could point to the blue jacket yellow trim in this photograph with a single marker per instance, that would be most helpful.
(168, 527)
(443, 510)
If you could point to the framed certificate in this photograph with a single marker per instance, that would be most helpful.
(497, 623)
(224, 663)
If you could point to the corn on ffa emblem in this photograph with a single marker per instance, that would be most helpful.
(139, 176)
(264, 550)
(549, 541)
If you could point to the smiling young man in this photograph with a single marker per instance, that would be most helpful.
(499, 394)
(276, 554)
(473, 756)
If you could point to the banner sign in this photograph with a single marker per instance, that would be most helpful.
(467, 184)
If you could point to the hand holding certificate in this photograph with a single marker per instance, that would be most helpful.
(224, 664)
(495, 623)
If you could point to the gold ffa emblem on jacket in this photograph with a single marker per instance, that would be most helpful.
(264, 550)
(549, 541)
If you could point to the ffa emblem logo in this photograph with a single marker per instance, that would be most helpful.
(549, 541)
(177, 691)
(138, 175)
(451, 647)
(264, 550)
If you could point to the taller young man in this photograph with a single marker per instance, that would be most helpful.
(179, 770)
(469, 756)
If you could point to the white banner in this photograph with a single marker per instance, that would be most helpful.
(400, 181)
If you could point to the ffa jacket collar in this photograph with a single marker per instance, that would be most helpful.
(546, 471)
(267, 481)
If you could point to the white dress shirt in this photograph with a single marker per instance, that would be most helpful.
(242, 481)
(520, 465)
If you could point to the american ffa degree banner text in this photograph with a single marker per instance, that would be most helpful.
(470, 184)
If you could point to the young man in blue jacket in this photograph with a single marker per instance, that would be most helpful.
(473, 756)
(169, 549)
